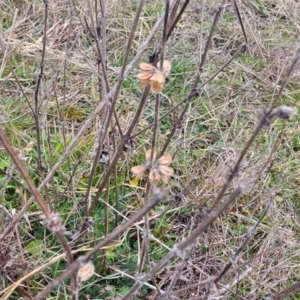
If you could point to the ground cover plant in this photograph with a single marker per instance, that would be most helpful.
(149, 149)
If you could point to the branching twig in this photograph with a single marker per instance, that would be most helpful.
(110, 105)
(157, 197)
(287, 292)
(179, 249)
(175, 21)
(266, 119)
(37, 196)
(190, 96)
(251, 233)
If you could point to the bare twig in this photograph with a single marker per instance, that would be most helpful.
(110, 105)
(251, 233)
(157, 197)
(266, 119)
(34, 191)
(187, 103)
(37, 89)
(287, 292)
(179, 249)
(175, 21)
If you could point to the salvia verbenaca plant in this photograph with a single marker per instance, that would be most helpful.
(156, 168)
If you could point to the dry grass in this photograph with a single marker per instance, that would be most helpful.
(209, 141)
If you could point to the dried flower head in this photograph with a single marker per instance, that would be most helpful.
(85, 272)
(154, 76)
(54, 222)
(159, 171)
(286, 112)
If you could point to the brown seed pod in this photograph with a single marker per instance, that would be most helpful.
(85, 272)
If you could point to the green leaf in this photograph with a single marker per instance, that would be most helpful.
(35, 248)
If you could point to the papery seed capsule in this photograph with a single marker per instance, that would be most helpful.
(85, 272)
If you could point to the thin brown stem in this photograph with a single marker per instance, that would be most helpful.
(178, 250)
(110, 105)
(287, 292)
(33, 190)
(212, 30)
(251, 233)
(37, 88)
(175, 21)
(119, 150)
(240, 21)
(193, 94)
(86, 125)
(158, 196)
(164, 38)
